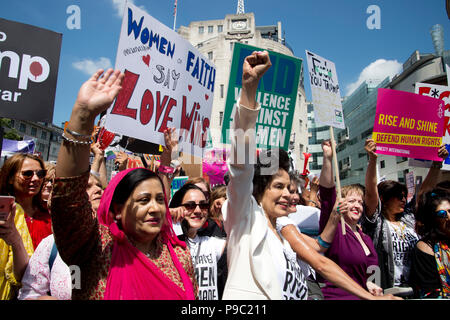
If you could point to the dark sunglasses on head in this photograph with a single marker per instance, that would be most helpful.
(442, 213)
(190, 206)
(28, 174)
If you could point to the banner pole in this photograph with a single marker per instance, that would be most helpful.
(336, 175)
(175, 15)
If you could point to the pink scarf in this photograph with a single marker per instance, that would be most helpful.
(132, 276)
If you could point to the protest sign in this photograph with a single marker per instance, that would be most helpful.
(277, 95)
(10, 147)
(408, 125)
(410, 185)
(168, 83)
(443, 93)
(325, 91)
(214, 166)
(29, 61)
(177, 183)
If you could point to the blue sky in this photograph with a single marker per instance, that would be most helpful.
(335, 30)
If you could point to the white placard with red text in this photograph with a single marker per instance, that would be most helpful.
(168, 83)
(443, 93)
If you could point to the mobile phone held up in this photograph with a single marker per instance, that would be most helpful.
(5, 206)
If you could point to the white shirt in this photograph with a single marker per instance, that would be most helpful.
(290, 272)
(403, 241)
(307, 219)
(38, 281)
(205, 252)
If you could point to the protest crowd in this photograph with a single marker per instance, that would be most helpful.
(72, 234)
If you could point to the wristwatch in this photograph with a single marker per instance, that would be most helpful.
(167, 171)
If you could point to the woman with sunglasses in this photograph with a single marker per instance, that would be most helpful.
(391, 225)
(205, 250)
(128, 251)
(16, 244)
(22, 176)
(430, 269)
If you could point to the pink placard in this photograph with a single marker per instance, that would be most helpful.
(408, 125)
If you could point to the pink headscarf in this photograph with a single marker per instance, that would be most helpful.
(132, 276)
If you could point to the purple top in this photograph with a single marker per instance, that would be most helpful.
(345, 251)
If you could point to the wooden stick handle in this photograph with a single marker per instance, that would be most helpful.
(336, 175)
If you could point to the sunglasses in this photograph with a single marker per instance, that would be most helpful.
(442, 213)
(190, 206)
(28, 174)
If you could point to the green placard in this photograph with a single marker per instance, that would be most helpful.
(277, 94)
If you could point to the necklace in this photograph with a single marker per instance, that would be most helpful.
(399, 230)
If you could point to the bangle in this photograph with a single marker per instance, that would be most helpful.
(165, 169)
(323, 243)
(77, 135)
(312, 201)
(86, 143)
(95, 173)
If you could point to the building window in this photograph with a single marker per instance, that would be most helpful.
(210, 29)
(201, 30)
(12, 123)
(200, 45)
(41, 147)
(210, 55)
(221, 91)
(22, 127)
(220, 117)
(382, 164)
(34, 131)
(220, 28)
(231, 46)
(44, 135)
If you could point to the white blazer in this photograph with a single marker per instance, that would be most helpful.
(251, 272)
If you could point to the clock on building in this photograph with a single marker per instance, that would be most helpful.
(239, 25)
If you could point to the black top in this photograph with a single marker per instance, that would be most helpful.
(424, 275)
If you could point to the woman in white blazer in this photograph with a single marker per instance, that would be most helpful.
(261, 263)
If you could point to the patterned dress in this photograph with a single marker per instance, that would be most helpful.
(84, 242)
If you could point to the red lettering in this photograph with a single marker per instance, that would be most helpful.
(123, 98)
(159, 107)
(446, 126)
(146, 107)
(445, 94)
(424, 90)
(186, 120)
(172, 103)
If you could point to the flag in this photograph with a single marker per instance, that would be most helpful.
(13, 146)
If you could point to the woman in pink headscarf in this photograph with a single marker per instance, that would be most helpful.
(129, 251)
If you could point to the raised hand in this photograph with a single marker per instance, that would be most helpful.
(254, 67)
(327, 149)
(443, 152)
(97, 93)
(370, 146)
(8, 231)
(170, 150)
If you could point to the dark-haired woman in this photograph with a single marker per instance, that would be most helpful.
(391, 227)
(430, 270)
(261, 262)
(128, 252)
(205, 250)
